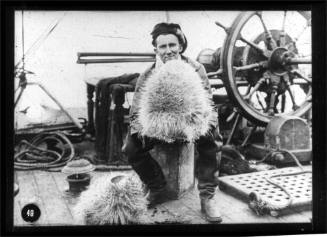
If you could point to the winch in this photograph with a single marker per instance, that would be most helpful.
(284, 136)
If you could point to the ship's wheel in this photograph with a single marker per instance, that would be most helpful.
(273, 76)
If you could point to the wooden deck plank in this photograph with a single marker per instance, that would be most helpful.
(191, 201)
(17, 212)
(63, 188)
(68, 197)
(55, 206)
(159, 215)
(237, 210)
(50, 189)
(71, 198)
(182, 213)
(17, 208)
(28, 193)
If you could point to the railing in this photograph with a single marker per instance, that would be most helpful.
(88, 58)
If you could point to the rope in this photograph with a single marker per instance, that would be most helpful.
(23, 40)
(40, 40)
(262, 207)
(31, 156)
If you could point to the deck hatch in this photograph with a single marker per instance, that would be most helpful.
(299, 186)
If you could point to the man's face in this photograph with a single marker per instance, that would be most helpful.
(168, 47)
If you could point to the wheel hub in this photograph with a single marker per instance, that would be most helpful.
(270, 67)
(277, 62)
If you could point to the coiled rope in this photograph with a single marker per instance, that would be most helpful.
(31, 156)
(262, 207)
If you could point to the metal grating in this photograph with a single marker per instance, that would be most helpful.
(299, 186)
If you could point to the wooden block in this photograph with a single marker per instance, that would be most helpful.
(177, 163)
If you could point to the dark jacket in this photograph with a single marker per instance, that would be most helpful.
(135, 127)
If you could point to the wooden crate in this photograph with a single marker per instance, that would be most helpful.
(177, 163)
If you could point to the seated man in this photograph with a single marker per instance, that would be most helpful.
(169, 43)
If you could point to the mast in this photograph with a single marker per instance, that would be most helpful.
(167, 17)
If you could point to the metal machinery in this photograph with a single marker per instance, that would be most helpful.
(264, 116)
(260, 76)
(263, 78)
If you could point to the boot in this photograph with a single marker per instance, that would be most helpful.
(155, 197)
(210, 210)
(152, 176)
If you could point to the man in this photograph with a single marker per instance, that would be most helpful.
(169, 43)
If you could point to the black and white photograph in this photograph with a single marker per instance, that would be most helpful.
(156, 117)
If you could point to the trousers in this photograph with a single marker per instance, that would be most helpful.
(137, 148)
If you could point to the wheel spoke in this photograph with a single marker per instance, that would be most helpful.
(255, 88)
(253, 45)
(248, 90)
(283, 102)
(217, 73)
(282, 33)
(298, 74)
(222, 26)
(262, 64)
(271, 110)
(295, 106)
(270, 42)
(276, 103)
(288, 88)
(266, 57)
(260, 102)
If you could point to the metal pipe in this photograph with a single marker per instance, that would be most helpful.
(299, 61)
(219, 72)
(248, 136)
(251, 66)
(114, 60)
(237, 120)
(217, 83)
